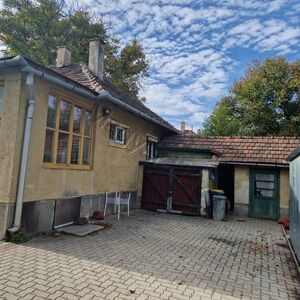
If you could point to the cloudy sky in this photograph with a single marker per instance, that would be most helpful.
(197, 48)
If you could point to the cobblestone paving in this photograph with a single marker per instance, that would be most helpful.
(154, 256)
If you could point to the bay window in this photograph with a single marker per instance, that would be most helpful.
(68, 139)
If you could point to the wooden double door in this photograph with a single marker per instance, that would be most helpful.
(170, 189)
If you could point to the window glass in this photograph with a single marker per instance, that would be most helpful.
(86, 151)
(51, 117)
(65, 112)
(72, 141)
(120, 135)
(1, 98)
(49, 141)
(265, 185)
(88, 118)
(62, 148)
(150, 150)
(265, 177)
(112, 131)
(77, 116)
(75, 154)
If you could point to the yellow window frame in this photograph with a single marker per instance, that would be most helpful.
(85, 108)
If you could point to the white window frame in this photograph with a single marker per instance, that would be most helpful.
(117, 129)
(123, 130)
(150, 151)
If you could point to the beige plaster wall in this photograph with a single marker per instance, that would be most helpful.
(9, 133)
(284, 188)
(114, 168)
(241, 185)
(242, 182)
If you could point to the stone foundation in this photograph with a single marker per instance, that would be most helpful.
(7, 212)
(39, 216)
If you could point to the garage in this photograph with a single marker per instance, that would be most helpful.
(173, 185)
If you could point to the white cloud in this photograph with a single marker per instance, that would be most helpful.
(189, 44)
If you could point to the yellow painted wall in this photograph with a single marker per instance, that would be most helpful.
(284, 188)
(9, 133)
(114, 168)
(241, 185)
(242, 181)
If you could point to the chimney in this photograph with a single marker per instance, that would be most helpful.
(96, 57)
(63, 56)
(182, 126)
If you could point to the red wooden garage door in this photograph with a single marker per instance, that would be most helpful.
(186, 191)
(183, 186)
(155, 188)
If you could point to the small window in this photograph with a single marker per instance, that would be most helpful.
(1, 98)
(265, 185)
(151, 149)
(117, 133)
(68, 134)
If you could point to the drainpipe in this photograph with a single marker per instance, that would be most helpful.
(25, 151)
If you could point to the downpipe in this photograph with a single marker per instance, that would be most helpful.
(25, 152)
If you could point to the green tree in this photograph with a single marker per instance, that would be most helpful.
(223, 120)
(35, 28)
(264, 102)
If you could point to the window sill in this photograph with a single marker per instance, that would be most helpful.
(66, 167)
(115, 144)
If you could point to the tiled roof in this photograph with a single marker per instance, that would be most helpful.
(263, 150)
(81, 74)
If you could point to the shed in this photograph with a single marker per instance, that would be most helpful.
(252, 171)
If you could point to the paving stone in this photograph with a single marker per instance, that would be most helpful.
(154, 256)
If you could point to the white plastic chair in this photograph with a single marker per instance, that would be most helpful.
(117, 200)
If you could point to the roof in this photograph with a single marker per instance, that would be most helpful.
(182, 162)
(80, 73)
(238, 149)
(80, 76)
(294, 154)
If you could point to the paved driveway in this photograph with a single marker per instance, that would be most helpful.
(154, 256)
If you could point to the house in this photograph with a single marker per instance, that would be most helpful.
(253, 172)
(294, 159)
(68, 136)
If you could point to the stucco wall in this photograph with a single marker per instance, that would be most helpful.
(284, 188)
(241, 185)
(9, 134)
(114, 168)
(242, 181)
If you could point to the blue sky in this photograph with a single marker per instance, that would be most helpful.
(198, 48)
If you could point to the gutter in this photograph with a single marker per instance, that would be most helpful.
(106, 95)
(25, 152)
(254, 164)
(85, 92)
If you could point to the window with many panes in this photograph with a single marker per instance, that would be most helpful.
(68, 139)
(117, 133)
(1, 98)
